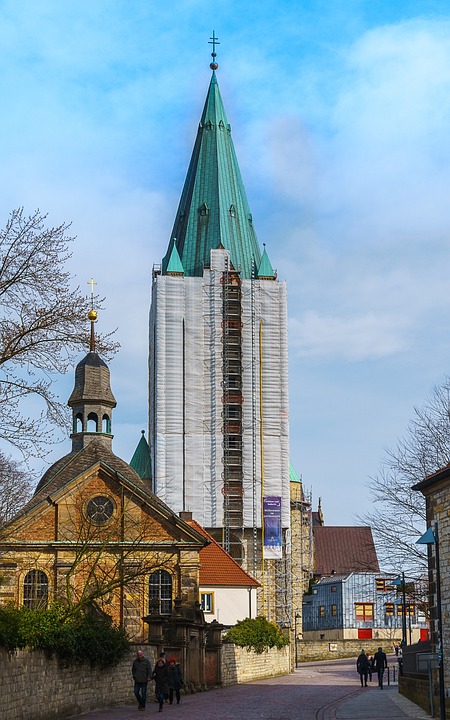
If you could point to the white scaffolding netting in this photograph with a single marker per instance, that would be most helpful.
(185, 386)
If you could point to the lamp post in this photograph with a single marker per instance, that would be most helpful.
(431, 537)
(297, 616)
(400, 582)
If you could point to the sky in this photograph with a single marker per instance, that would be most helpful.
(340, 115)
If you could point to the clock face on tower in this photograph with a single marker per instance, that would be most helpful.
(100, 509)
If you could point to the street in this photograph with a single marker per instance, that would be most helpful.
(316, 691)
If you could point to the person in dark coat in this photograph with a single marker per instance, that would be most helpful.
(141, 671)
(362, 666)
(161, 678)
(175, 680)
(380, 664)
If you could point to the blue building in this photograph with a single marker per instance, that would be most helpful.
(359, 605)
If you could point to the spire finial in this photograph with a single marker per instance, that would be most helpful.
(92, 315)
(213, 41)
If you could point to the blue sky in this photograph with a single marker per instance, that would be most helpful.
(340, 113)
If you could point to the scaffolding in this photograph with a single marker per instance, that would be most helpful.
(232, 399)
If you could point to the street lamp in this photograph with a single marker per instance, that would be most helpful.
(400, 582)
(431, 537)
(297, 616)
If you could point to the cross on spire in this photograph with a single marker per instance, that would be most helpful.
(213, 41)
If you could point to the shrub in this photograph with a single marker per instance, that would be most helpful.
(73, 638)
(256, 634)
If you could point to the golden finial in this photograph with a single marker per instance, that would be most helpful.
(92, 315)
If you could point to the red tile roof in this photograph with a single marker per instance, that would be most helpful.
(219, 568)
(344, 549)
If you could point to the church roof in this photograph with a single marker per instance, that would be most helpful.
(141, 461)
(213, 209)
(217, 567)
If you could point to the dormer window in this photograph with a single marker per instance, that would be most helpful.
(203, 210)
(232, 211)
(221, 125)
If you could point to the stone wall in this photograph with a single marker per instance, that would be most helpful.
(332, 650)
(34, 687)
(240, 666)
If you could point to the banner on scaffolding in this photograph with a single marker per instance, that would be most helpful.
(272, 528)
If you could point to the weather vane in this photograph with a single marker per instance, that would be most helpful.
(92, 315)
(213, 41)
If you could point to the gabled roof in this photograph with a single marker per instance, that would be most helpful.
(443, 474)
(217, 567)
(343, 550)
(141, 461)
(213, 209)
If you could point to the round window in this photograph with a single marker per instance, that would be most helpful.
(100, 509)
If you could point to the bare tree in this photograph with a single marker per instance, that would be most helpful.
(398, 515)
(15, 488)
(43, 325)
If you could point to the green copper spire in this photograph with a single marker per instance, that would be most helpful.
(213, 209)
(265, 269)
(174, 266)
(140, 462)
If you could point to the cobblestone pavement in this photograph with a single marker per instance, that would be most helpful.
(316, 691)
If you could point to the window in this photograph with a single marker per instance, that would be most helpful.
(206, 601)
(389, 609)
(35, 590)
(364, 611)
(333, 588)
(160, 589)
(410, 610)
(321, 610)
(384, 584)
(334, 610)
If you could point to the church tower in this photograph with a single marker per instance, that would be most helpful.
(218, 368)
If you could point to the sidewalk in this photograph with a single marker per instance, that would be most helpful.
(316, 691)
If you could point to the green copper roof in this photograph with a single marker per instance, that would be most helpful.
(175, 265)
(293, 476)
(140, 462)
(213, 209)
(265, 269)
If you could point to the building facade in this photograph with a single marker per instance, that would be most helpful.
(361, 606)
(218, 370)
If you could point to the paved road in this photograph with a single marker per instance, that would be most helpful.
(316, 691)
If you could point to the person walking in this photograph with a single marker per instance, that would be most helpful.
(370, 659)
(175, 680)
(161, 678)
(362, 666)
(380, 664)
(141, 671)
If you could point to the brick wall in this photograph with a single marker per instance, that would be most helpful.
(240, 666)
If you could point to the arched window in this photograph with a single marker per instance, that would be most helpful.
(106, 424)
(35, 590)
(78, 423)
(92, 422)
(160, 588)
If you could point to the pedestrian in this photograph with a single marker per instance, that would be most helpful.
(161, 678)
(175, 680)
(396, 648)
(370, 659)
(141, 671)
(362, 666)
(380, 664)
